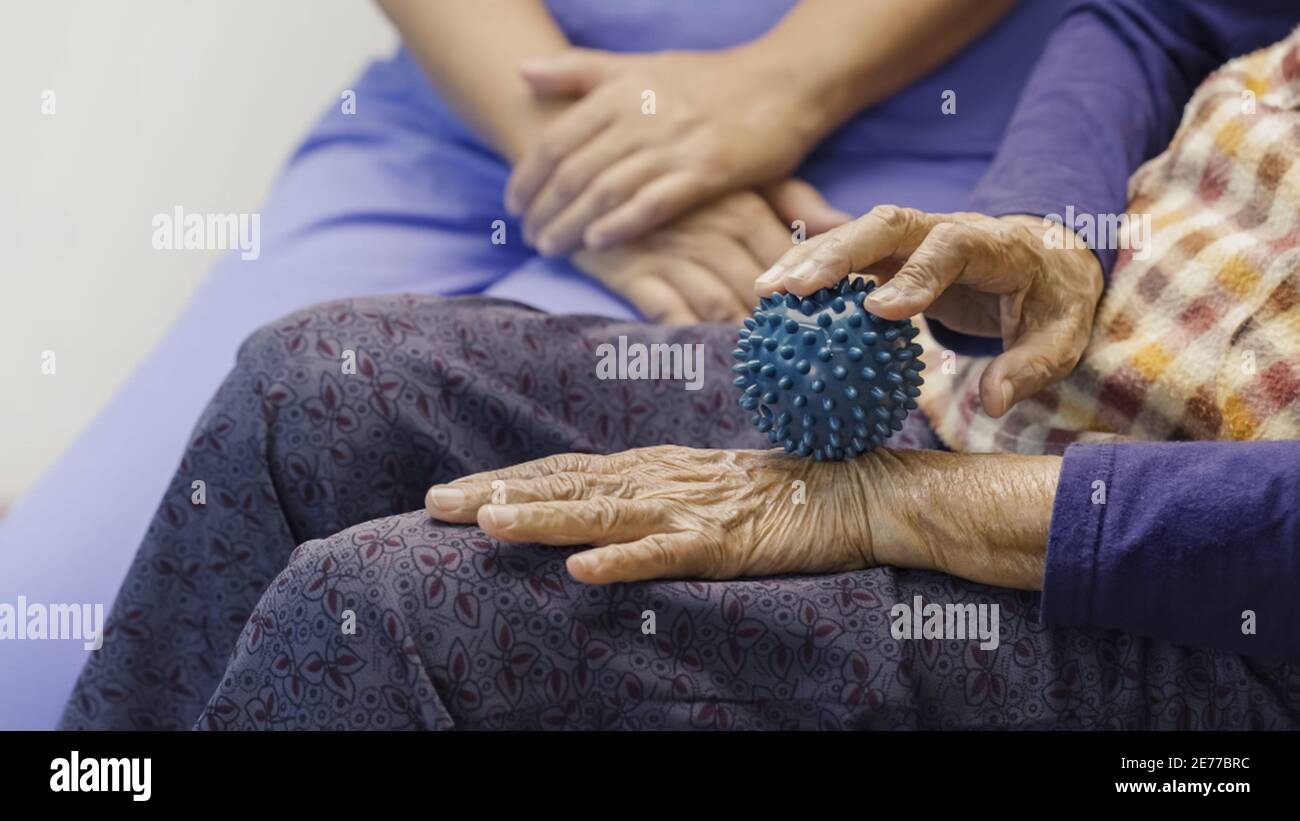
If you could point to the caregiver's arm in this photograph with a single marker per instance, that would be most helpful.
(1178, 541)
(605, 172)
(472, 55)
(846, 57)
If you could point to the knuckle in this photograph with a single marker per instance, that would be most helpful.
(607, 512)
(657, 311)
(1069, 355)
(893, 216)
(563, 462)
(834, 252)
(1018, 233)
(692, 128)
(747, 203)
(1021, 246)
(952, 235)
(548, 148)
(656, 270)
(1043, 368)
(713, 558)
(650, 210)
(664, 556)
(568, 486)
(654, 209)
(651, 458)
(884, 213)
(717, 310)
(623, 488)
(916, 274)
(563, 188)
(658, 243)
(606, 196)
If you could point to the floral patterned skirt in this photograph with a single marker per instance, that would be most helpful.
(286, 583)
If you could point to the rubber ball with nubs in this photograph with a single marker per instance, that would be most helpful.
(825, 377)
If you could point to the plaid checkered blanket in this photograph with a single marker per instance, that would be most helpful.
(1198, 333)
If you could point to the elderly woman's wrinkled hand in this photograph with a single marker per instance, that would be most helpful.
(677, 512)
(1008, 277)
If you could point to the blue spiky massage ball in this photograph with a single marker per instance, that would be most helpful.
(825, 377)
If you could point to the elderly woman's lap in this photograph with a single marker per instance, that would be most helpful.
(406, 623)
(337, 419)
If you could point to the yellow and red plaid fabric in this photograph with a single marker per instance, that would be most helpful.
(1201, 338)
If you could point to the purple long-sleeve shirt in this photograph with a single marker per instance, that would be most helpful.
(1198, 542)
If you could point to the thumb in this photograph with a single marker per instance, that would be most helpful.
(572, 73)
(794, 199)
(1038, 359)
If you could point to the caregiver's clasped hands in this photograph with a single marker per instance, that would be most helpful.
(702, 267)
(649, 137)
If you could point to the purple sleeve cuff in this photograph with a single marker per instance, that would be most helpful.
(1194, 542)
(1011, 205)
(1075, 536)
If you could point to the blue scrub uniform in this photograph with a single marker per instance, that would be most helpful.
(400, 197)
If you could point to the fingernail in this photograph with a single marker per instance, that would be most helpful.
(885, 294)
(1008, 393)
(769, 277)
(446, 499)
(546, 246)
(499, 516)
(579, 563)
(596, 240)
(803, 270)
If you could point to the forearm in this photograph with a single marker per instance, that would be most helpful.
(843, 57)
(982, 517)
(1193, 542)
(472, 55)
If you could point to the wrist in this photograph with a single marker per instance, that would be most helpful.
(806, 103)
(514, 139)
(1062, 239)
(982, 517)
(888, 503)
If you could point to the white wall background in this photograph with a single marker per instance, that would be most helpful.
(157, 102)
